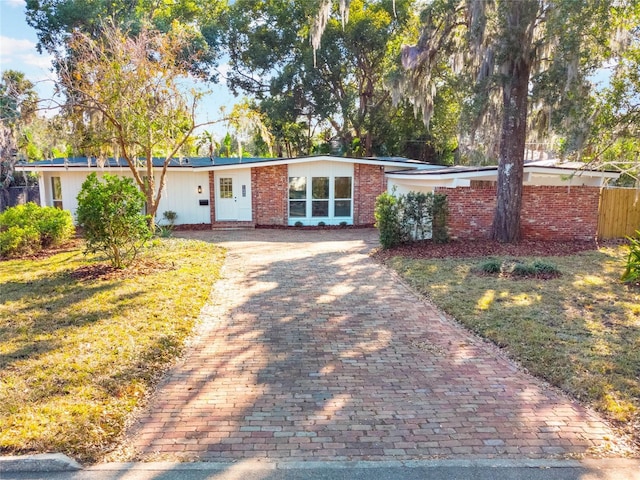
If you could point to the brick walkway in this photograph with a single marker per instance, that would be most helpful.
(309, 350)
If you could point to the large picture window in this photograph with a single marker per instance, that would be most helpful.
(56, 192)
(320, 193)
(342, 197)
(297, 197)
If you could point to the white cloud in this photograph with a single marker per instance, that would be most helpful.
(19, 54)
(16, 3)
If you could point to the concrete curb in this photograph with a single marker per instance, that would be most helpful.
(57, 462)
(43, 462)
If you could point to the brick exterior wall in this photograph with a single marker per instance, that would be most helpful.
(548, 213)
(270, 195)
(369, 181)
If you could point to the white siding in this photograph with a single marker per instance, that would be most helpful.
(180, 194)
(397, 187)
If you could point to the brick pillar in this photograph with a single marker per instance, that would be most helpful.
(270, 195)
(369, 182)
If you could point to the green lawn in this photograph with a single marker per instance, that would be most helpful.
(80, 349)
(581, 331)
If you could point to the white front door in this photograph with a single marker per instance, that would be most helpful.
(233, 195)
(227, 197)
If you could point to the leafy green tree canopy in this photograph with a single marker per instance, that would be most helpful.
(55, 21)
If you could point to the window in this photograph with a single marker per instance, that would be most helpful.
(226, 187)
(320, 196)
(297, 196)
(56, 192)
(342, 197)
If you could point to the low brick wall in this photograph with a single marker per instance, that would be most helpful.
(548, 213)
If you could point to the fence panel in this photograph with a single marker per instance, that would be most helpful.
(619, 212)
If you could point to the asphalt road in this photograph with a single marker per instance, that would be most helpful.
(611, 469)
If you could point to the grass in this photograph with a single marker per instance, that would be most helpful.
(78, 352)
(579, 331)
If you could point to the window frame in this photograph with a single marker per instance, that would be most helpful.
(56, 188)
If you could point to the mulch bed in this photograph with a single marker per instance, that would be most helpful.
(104, 271)
(486, 248)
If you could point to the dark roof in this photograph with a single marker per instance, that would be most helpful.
(443, 170)
(199, 162)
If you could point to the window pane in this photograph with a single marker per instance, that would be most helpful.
(298, 208)
(297, 187)
(226, 188)
(320, 208)
(56, 188)
(56, 192)
(320, 187)
(342, 208)
(342, 187)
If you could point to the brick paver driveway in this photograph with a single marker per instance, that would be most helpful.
(309, 350)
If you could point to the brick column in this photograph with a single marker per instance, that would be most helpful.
(270, 195)
(369, 181)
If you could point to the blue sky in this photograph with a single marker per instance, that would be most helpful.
(18, 52)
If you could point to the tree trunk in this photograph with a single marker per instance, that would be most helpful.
(515, 83)
(506, 220)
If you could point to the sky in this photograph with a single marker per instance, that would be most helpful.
(18, 52)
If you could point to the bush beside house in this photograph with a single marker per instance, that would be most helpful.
(27, 229)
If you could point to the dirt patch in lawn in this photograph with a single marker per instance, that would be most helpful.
(104, 271)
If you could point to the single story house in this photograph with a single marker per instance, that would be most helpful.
(229, 192)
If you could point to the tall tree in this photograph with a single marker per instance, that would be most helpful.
(18, 105)
(126, 92)
(509, 51)
(341, 87)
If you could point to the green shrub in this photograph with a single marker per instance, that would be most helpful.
(523, 270)
(109, 211)
(490, 266)
(414, 216)
(298, 223)
(28, 228)
(388, 220)
(632, 269)
(541, 266)
(55, 226)
(343, 224)
(439, 216)
(321, 224)
(15, 241)
(170, 216)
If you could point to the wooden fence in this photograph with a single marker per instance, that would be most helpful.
(619, 214)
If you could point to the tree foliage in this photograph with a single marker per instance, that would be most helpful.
(513, 56)
(18, 104)
(109, 212)
(612, 139)
(55, 21)
(337, 94)
(126, 97)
